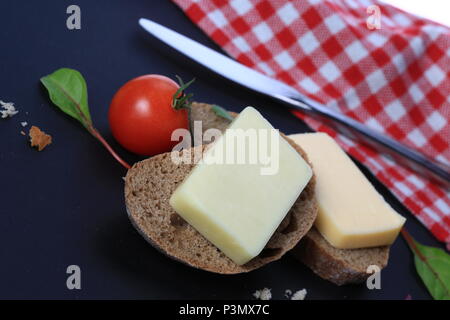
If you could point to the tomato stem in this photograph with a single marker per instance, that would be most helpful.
(180, 99)
(99, 137)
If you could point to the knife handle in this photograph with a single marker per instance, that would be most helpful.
(425, 166)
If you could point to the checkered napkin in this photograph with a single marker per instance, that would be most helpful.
(391, 74)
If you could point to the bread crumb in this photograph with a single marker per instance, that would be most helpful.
(23, 133)
(288, 293)
(39, 138)
(8, 109)
(263, 294)
(299, 295)
(24, 124)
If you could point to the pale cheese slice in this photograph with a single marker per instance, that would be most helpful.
(352, 214)
(238, 206)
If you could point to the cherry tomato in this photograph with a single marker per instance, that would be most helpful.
(141, 115)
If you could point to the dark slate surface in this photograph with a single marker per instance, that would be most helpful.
(65, 205)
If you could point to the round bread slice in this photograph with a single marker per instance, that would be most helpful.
(149, 185)
(340, 266)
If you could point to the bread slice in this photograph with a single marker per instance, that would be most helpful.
(149, 185)
(340, 266)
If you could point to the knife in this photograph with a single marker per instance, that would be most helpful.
(288, 96)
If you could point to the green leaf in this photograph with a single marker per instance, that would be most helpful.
(221, 112)
(68, 91)
(433, 266)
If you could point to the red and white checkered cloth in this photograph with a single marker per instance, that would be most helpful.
(395, 79)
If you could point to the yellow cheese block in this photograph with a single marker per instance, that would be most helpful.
(352, 214)
(238, 205)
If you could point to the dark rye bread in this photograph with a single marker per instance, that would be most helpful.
(149, 185)
(202, 112)
(339, 266)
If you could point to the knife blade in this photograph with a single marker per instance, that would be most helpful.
(289, 96)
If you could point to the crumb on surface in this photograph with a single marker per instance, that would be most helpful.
(288, 293)
(24, 123)
(23, 133)
(39, 138)
(8, 109)
(299, 295)
(263, 294)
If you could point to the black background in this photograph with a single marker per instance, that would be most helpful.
(65, 205)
